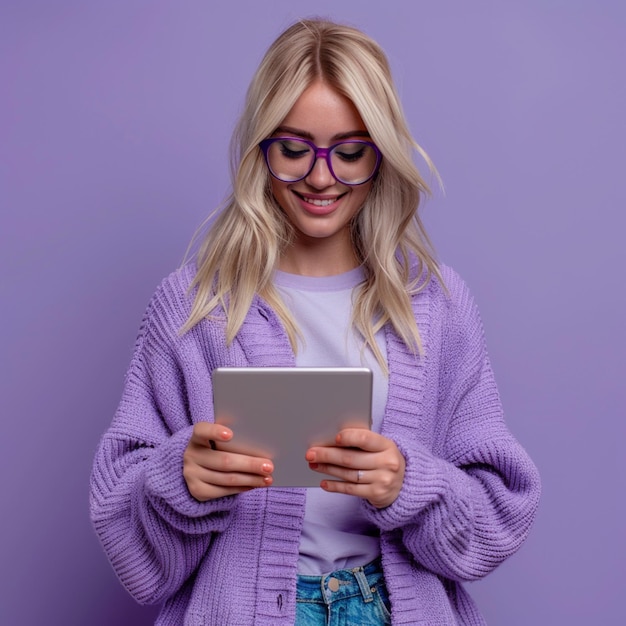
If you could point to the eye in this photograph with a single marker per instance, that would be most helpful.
(291, 149)
(350, 152)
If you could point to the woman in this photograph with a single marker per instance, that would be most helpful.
(319, 258)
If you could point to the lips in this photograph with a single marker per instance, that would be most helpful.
(319, 205)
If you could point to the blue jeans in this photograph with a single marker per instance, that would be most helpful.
(343, 598)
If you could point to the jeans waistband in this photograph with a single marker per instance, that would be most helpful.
(340, 584)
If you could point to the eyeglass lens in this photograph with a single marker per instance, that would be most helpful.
(351, 162)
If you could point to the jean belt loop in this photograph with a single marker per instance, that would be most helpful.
(325, 594)
(364, 586)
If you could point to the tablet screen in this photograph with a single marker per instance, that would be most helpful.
(279, 413)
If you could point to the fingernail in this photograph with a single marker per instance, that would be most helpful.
(310, 456)
(313, 465)
(267, 480)
(266, 467)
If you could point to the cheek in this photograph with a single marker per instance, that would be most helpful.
(360, 196)
(280, 191)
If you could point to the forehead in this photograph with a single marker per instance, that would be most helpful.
(321, 113)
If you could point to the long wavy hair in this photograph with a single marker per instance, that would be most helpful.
(244, 244)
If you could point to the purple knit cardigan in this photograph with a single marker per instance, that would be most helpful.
(469, 496)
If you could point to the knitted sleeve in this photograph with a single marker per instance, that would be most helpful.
(152, 530)
(467, 502)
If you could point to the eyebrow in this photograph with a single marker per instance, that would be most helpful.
(309, 136)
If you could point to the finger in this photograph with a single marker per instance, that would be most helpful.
(231, 462)
(376, 497)
(363, 439)
(342, 457)
(356, 476)
(202, 491)
(232, 479)
(207, 433)
(205, 484)
(345, 487)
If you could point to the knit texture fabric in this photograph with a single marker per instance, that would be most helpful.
(469, 496)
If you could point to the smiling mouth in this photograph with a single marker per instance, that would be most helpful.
(321, 202)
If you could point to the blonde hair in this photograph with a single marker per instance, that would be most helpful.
(241, 250)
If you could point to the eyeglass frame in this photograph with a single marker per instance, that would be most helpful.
(320, 153)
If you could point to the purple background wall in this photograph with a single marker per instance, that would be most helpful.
(114, 123)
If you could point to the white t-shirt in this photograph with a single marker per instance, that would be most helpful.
(335, 534)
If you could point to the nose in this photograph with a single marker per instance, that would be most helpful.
(320, 176)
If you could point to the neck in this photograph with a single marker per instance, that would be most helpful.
(318, 258)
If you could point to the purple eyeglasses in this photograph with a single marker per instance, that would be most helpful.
(351, 162)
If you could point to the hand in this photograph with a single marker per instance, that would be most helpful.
(368, 465)
(212, 473)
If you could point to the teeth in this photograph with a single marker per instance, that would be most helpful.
(317, 202)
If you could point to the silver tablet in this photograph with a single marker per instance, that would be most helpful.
(279, 412)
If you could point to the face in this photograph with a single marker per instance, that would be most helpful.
(319, 207)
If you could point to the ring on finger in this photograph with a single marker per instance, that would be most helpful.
(359, 476)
